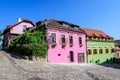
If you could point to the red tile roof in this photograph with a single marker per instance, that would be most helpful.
(95, 33)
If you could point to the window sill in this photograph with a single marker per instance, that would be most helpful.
(53, 45)
(63, 45)
(71, 45)
(80, 45)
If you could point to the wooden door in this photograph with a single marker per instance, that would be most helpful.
(80, 57)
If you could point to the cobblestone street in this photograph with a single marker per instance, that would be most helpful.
(19, 69)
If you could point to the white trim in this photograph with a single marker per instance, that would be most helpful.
(54, 33)
(65, 38)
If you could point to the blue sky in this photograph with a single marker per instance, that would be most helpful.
(96, 14)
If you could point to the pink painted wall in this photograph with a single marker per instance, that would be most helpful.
(117, 51)
(18, 29)
(64, 58)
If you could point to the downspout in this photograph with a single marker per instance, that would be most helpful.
(46, 25)
(86, 49)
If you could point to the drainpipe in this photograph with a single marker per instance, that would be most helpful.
(46, 24)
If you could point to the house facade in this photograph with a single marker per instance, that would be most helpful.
(100, 47)
(67, 42)
(13, 30)
(117, 47)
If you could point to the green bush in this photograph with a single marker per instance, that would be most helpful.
(30, 44)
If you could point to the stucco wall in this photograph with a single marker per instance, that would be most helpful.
(64, 52)
(18, 29)
(100, 58)
(117, 51)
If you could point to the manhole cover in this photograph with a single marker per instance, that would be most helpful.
(35, 78)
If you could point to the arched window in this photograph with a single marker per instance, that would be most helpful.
(112, 50)
(100, 51)
(89, 52)
(107, 51)
(95, 51)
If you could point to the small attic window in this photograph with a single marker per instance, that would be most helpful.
(66, 25)
(76, 28)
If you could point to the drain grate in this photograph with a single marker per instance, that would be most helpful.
(35, 78)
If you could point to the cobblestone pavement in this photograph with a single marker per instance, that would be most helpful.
(18, 69)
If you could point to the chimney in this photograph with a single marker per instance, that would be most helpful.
(19, 19)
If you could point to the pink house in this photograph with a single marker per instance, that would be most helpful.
(67, 42)
(117, 45)
(13, 30)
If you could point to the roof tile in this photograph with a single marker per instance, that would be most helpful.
(97, 33)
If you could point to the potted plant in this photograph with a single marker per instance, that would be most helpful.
(53, 45)
(63, 45)
(71, 45)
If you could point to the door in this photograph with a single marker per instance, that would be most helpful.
(71, 56)
(80, 57)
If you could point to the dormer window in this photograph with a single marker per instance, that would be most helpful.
(76, 28)
(65, 25)
(90, 38)
(106, 39)
(94, 38)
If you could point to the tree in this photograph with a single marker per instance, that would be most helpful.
(30, 43)
(0, 36)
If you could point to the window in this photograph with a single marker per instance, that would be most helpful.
(98, 38)
(63, 38)
(90, 38)
(71, 40)
(24, 28)
(89, 52)
(66, 25)
(94, 38)
(53, 37)
(106, 39)
(112, 50)
(76, 28)
(80, 40)
(100, 51)
(107, 51)
(95, 51)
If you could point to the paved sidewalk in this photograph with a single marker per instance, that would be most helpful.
(19, 69)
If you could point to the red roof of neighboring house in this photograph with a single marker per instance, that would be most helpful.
(11, 26)
(95, 33)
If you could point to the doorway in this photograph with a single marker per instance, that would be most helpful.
(71, 56)
(80, 57)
